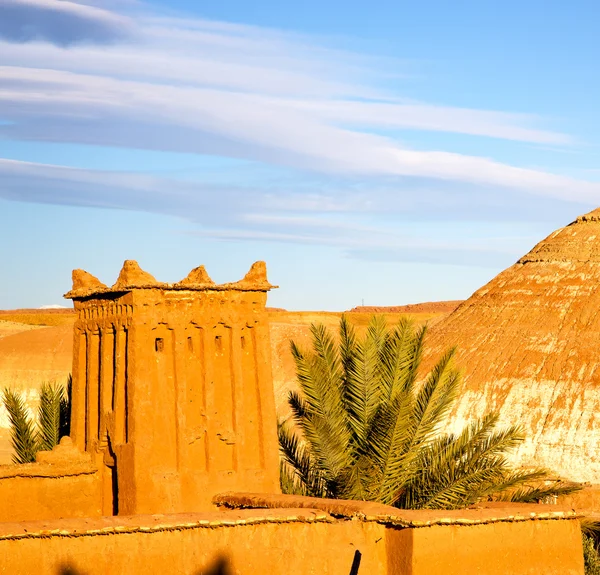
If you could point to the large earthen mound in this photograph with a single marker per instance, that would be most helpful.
(528, 343)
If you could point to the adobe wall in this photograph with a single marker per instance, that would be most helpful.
(35, 491)
(531, 547)
(297, 540)
(588, 499)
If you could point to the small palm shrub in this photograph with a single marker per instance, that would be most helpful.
(591, 558)
(590, 529)
(364, 427)
(53, 418)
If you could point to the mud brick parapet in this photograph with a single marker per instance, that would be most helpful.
(172, 388)
(325, 538)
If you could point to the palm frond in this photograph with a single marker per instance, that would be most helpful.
(459, 470)
(534, 487)
(288, 481)
(363, 381)
(299, 466)
(347, 344)
(325, 424)
(435, 398)
(22, 431)
(300, 409)
(467, 489)
(590, 527)
(366, 428)
(422, 418)
(49, 415)
(399, 359)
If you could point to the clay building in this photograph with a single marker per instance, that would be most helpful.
(172, 392)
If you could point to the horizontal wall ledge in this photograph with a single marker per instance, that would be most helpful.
(369, 511)
(88, 527)
(49, 470)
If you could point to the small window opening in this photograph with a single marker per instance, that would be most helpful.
(159, 344)
(218, 343)
(243, 340)
(190, 344)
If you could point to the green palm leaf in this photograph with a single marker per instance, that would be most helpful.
(325, 424)
(298, 468)
(363, 427)
(363, 380)
(49, 415)
(22, 433)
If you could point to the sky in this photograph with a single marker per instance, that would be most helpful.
(382, 153)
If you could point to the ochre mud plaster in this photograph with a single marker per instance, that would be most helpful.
(283, 541)
(172, 388)
(532, 547)
(62, 483)
(528, 346)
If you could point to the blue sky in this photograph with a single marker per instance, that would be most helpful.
(390, 152)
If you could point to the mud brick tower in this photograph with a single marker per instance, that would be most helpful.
(172, 388)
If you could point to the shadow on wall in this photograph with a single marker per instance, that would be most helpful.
(220, 566)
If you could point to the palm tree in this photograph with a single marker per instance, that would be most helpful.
(364, 427)
(53, 417)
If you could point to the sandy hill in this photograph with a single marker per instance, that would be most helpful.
(528, 345)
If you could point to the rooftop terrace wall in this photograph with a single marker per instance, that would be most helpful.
(279, 541)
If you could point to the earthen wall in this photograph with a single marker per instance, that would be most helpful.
(36, 491)
(283, 541)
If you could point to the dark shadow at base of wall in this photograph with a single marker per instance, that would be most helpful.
(220, 566)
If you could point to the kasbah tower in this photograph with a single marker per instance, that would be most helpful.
(172, 394)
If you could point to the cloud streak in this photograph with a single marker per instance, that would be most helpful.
(238, 124)
(63, 23)
(350, 221)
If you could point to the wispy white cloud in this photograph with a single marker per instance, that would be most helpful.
(75, 107)
(348, 221)
(61, 22)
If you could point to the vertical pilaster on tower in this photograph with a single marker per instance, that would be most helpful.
(172, 388)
